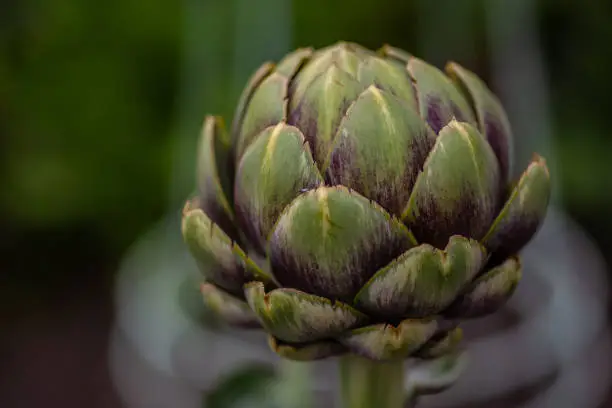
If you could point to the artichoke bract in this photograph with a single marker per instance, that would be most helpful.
(361, 202)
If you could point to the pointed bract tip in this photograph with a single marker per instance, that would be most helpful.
(538, 161)
(190, 205)
(206, 287)
(211, 120)
(385, 49)
(254, 285)
(451, 68)
(392, 52)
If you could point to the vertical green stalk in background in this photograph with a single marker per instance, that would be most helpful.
(518, 65)
(261, 33)
(219, 53)
(200, 85)
(368, 384)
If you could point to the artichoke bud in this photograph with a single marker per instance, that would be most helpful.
(375, 186)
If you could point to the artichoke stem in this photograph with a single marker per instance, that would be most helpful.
(370, 384)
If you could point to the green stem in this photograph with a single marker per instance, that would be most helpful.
(369, 384)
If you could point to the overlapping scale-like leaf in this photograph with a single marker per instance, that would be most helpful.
(523, 213)
(441, 344)
(274, 170)
(228, 308)
(219, 258)
(380, 148)
(389, 342)
(388, 76)
(214, 174)
(306, 351)
(439, 99)
(458, 191)
(395, 54)
(317, 111)
(344, 56)
(267, 108)
(245, 98)
(330, 241)
(489, 292)
(297, 317)
(266, 99)
(423, 281)
(293, 61)
(492, 120)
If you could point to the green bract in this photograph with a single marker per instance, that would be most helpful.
(361, 203)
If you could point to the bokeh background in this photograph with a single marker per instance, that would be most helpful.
(100, 107)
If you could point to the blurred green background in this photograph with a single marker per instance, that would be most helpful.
(100, 105)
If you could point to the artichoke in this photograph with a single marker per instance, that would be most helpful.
(361, 203)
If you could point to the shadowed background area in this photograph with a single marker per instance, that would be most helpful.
(100, 108)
